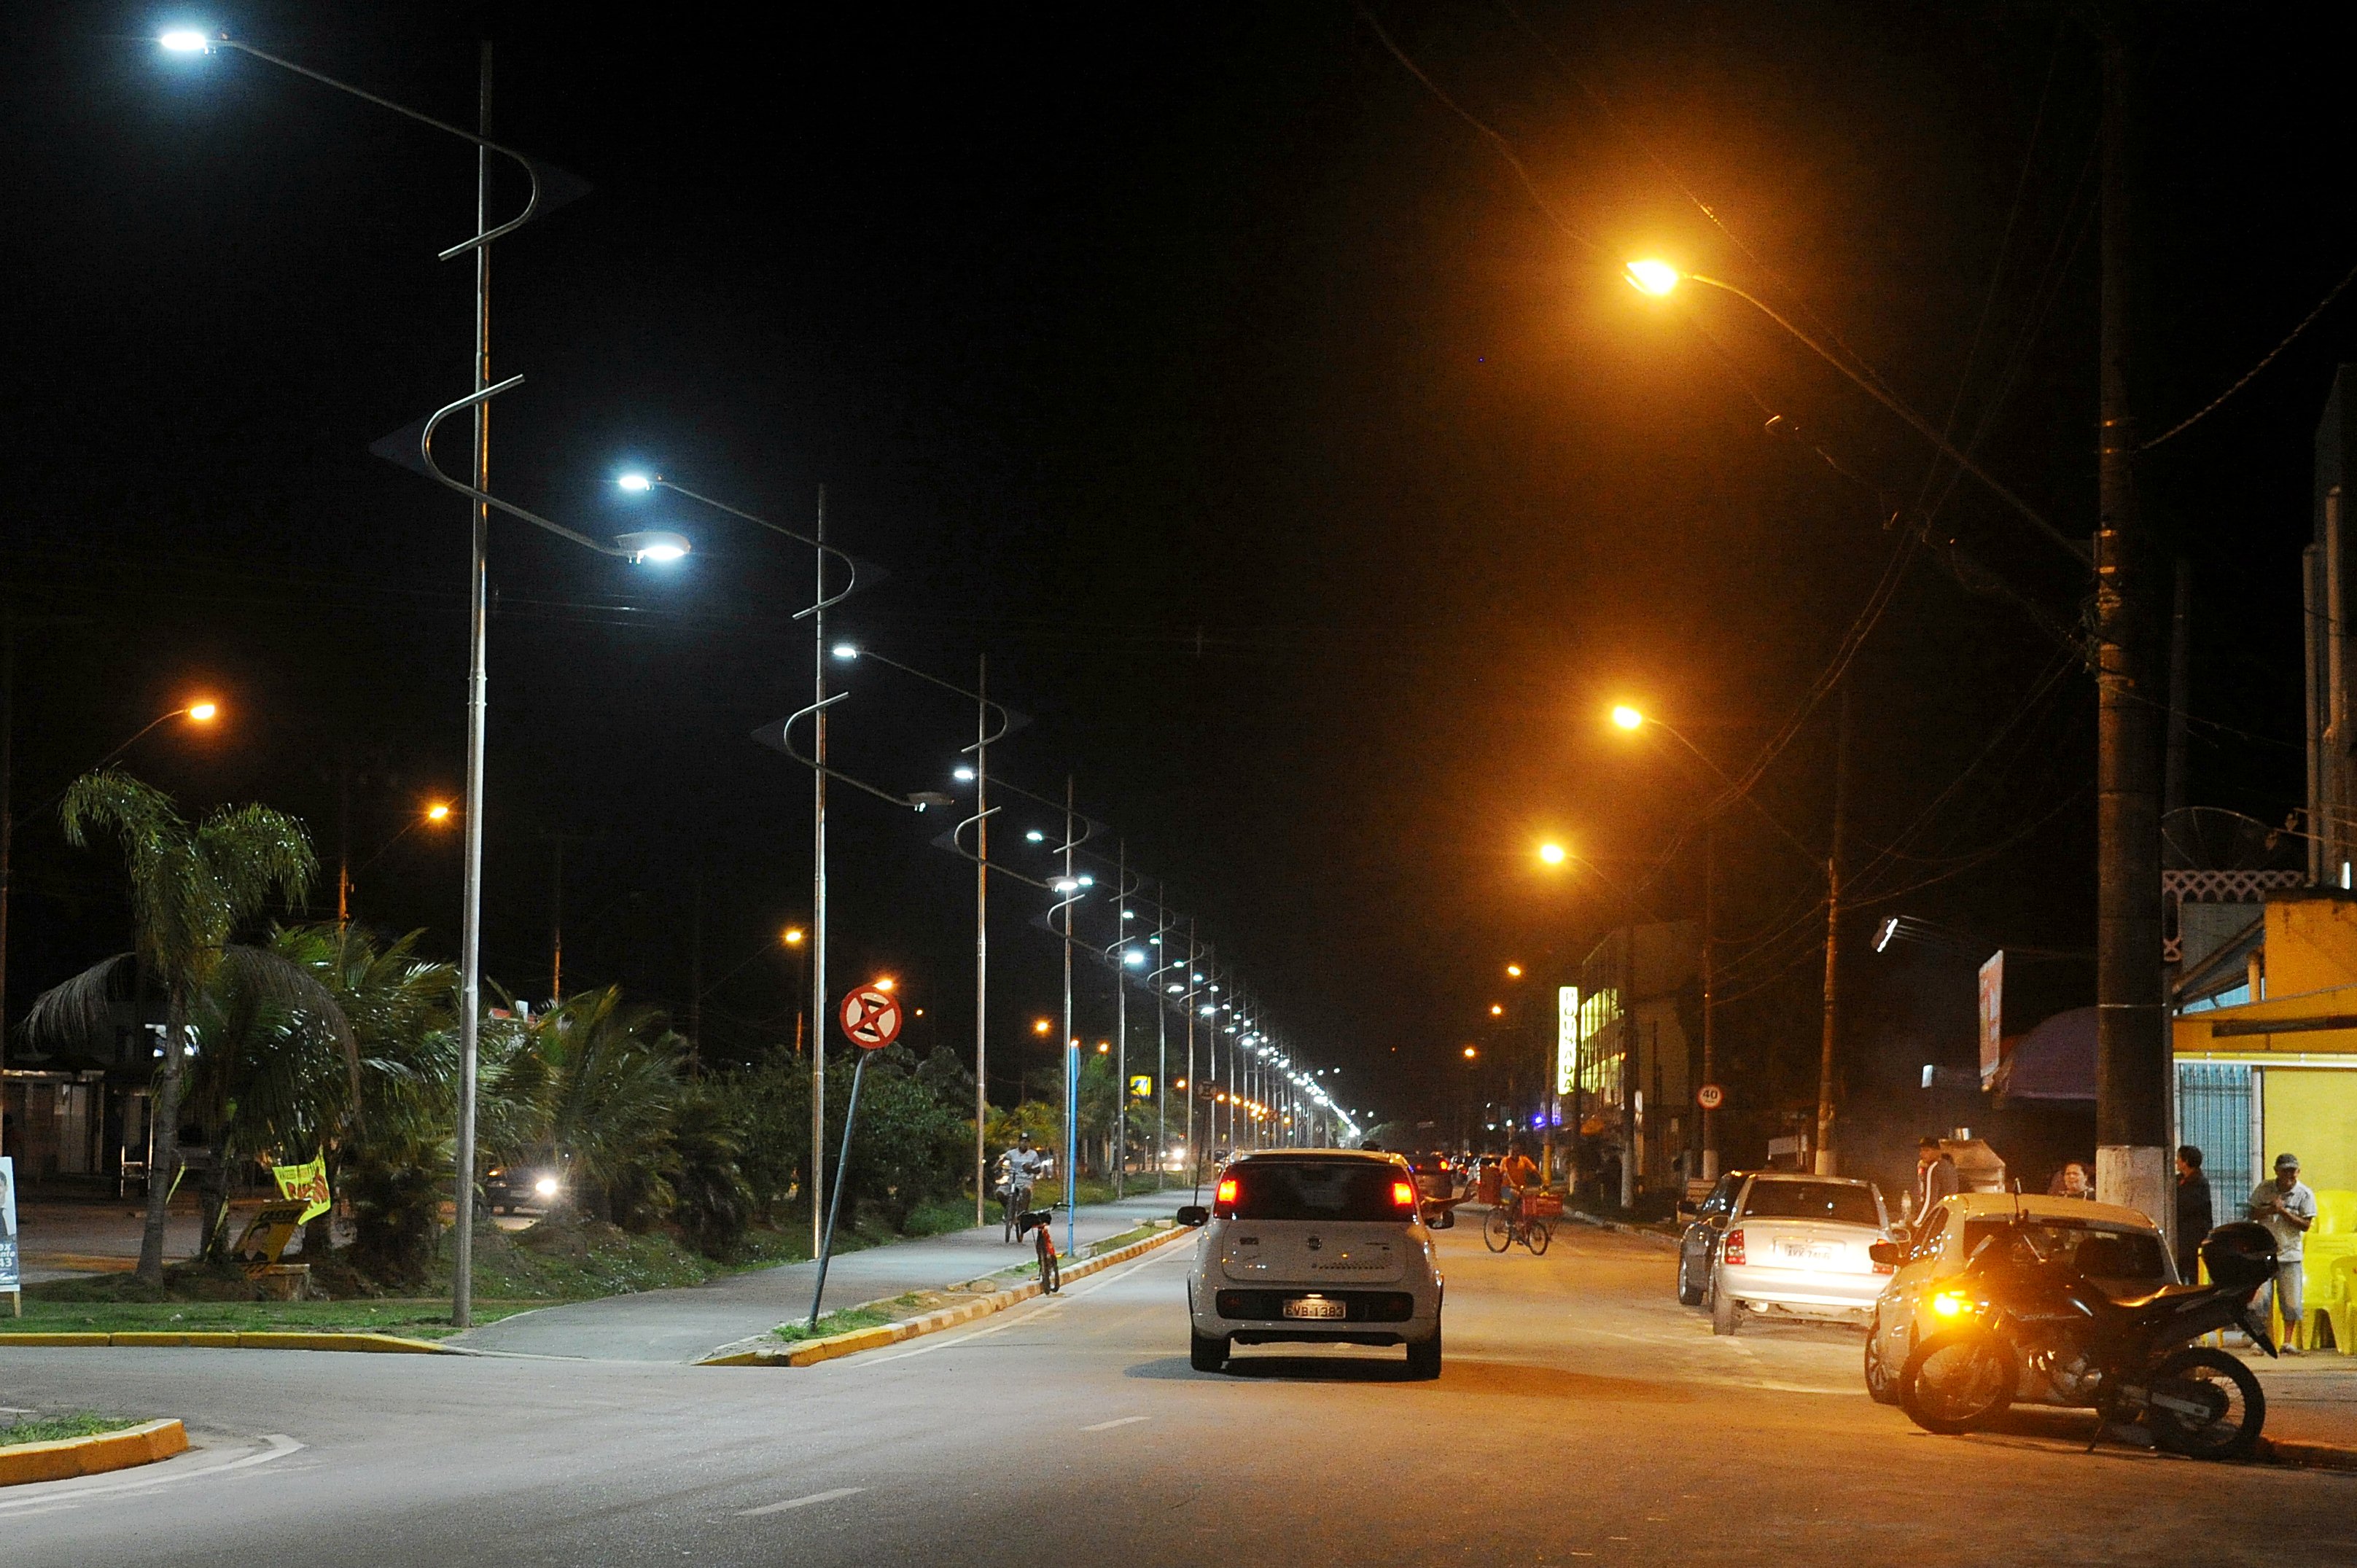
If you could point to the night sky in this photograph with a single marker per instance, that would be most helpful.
(1312, 488)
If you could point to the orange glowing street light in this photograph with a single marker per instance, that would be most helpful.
(1497, 1010)
(439, 811)
(1554, 853)
(793, 936)
(1470, 1053)
(1627, 717)
(1513, 971)
(205, 711)
(1656, 278)
(1040, 1026)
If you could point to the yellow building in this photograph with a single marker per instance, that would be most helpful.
(2265, 1041)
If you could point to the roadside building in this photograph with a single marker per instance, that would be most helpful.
(1628, 1064)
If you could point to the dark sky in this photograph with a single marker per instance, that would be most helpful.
(1312, 488)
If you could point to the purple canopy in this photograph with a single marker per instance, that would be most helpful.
(2055, 1060)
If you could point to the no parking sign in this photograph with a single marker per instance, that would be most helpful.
(871, 1017)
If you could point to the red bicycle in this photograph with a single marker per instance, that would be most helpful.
(1039, 1224)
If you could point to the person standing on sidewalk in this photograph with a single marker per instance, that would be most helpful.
(2287, 1208)
(2194, 1212)
(1935, 1177)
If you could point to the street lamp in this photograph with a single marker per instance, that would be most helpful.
(977, 775)
(189, 41)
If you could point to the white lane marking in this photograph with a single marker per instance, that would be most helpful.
(801, 1502)
(280, 1446)
(1119, 1420)
(1016, 1317)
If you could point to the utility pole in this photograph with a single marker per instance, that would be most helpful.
(1120, 1019)
(818, 898)
(1824, 1149)
(479, 618)
(1071, 1045)
(343, 844)
(695, 972)
(981, 943)
(1709, 994)
(7, 808)
(2180, 685)
(2132, 1070)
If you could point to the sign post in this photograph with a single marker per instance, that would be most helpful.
(871, 1020)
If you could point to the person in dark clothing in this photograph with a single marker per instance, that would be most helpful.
(2194, 1212)
(1935, 1177)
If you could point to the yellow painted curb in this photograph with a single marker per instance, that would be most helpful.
(256, 1339)
(91, 1455)
(833, 1347)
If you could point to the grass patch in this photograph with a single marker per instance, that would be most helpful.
(842, 1322)
(60, 1428)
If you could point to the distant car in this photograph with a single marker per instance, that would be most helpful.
(1436, 1176)
(1314, 1246)
(1799, 1246)
(2118, 1247)
(1698, 1247)
(532, 1189)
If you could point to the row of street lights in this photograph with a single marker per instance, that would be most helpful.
(414, 448)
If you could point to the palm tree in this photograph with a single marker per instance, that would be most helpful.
(192, 886)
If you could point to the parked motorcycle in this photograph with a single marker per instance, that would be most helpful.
(2032, 1327)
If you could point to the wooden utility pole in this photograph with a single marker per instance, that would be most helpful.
(1709, 995)
(1824, 1141)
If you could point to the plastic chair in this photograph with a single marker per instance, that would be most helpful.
(2342, 1277)
(2331, 1242)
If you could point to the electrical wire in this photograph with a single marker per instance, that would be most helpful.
(2247, 377)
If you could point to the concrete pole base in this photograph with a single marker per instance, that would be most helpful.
(2138, 1177)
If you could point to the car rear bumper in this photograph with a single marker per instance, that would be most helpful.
(1255, 1315)
(1802, 1291)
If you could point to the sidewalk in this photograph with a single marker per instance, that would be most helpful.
(687, 1324)
(2311, 1397)
(65, 1237)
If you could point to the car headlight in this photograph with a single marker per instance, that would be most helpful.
(546, 1187)
(1954, 1303)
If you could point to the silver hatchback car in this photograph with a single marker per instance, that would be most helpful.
(1320, 1246)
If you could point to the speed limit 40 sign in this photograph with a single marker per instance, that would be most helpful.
(1710, 1097)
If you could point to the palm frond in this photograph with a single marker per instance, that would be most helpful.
(81, 1012)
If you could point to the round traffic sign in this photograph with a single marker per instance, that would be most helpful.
(871, 1017)
(1710, 1097)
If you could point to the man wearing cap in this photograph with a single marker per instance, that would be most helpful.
(2287, 1208)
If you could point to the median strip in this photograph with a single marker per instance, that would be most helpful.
(68, 1457)
(833, 1347)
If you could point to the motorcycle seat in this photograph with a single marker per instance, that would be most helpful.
(2164, 1295)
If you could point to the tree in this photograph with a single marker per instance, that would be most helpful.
(611, 1084)
(192, 887)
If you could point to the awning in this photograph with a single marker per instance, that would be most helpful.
(2055, 1061)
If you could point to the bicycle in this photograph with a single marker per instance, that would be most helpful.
(1526, 1221)
(1011, 1202)
(1040, 1224)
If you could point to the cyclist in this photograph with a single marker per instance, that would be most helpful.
(1517, 1174)
(1018, 1171)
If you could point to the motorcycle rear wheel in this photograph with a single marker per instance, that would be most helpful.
(2234, 1432)
(1958, 1381)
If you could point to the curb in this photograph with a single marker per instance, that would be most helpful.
(1621, 1228)
(73, 1456)
(2308, 1455)
(833, 1347)
(197, 1339)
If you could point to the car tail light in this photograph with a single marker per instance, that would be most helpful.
(1402, 1195)
(1733, 1252)
(1227, 1193)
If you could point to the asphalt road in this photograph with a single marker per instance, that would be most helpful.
(1582, 1416)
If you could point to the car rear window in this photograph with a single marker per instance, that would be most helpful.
(2101, 1252)
(1811, 1200)
(1313, 1189)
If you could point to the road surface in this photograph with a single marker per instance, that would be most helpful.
(1582, 1417)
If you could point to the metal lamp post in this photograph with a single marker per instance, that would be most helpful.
(189, 41)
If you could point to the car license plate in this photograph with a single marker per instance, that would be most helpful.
(1809, 1252)
(1315, 1306)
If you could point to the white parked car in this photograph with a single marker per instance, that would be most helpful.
(1798, 1246)
(1324, 1246)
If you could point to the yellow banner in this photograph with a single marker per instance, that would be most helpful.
(307, 1182)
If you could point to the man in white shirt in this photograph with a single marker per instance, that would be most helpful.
(2287, 1208)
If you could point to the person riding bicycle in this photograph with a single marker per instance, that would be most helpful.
(1018, 1172)
(1517, 1174)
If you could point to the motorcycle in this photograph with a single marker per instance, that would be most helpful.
(2032, 1327)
